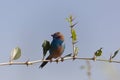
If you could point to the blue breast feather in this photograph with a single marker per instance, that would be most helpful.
(55, 44)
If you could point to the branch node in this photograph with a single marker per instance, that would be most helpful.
(62, 59)
(110, 60)
(10, 63)
(74, 57)
(94, 58)
(57, 60)
(28, 63)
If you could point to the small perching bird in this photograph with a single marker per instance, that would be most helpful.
(57, 47)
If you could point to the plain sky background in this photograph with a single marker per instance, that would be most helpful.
(27, 23)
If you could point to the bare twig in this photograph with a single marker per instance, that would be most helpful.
(59, 60)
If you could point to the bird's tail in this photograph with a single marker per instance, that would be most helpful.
(44, 63)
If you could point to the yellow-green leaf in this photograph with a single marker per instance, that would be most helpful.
(71, 18)
(74, 36)
(68, 19)
(76, 51)
(98, 52)
(16, 53)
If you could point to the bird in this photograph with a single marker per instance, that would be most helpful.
(57, 47)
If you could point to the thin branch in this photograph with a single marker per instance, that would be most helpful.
(56, 60)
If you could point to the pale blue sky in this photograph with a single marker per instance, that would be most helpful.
(26, 23)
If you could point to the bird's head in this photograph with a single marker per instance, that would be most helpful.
(58, 35)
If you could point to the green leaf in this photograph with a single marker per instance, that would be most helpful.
(16, 53)
(115, 53)
(46, 47)
(76, 51)
(98, 52)
(74, 36)
(70, 19)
